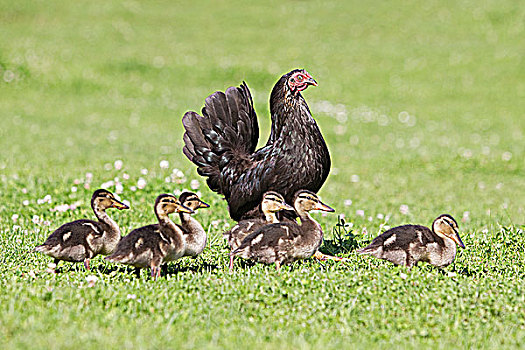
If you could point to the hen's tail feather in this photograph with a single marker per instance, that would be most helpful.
(220, 141)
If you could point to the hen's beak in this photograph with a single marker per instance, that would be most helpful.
(311, 81)
(118, 205)
(203, 205)
(321, 206)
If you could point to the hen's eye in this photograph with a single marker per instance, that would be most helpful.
(299, 78)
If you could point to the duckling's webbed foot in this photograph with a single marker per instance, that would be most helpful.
(86, 264)
(155, 272)
(231, 263)
(323, 257)
(56, 261)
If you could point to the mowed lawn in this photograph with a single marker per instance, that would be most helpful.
(421, 104)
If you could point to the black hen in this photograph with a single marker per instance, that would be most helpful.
(222, 144)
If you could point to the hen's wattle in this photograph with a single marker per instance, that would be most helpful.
(222, 144)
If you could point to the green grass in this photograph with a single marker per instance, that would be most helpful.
(421, 104)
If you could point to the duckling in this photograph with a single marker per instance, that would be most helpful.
(82, 240)
(152, 245)
(194, 235)
(286, 242)
(410, 244)
(271, 204)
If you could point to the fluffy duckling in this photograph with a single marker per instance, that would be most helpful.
(271, 204)
(410, 244)
(194, 234)
(152, 245)
(82, 240)
(286, 242)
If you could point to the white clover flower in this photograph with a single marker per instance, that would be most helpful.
(36, 219)
(360, 212)
(506, 156)
(215, 223)
(141, 183)
(61, 208)
(178, 173)
(347, 202)
(119, 188)
(14, 217)
(404, 209)
(91, 280)
(144, 171)
(194, 184)
(118, 164)
(164, 164)
(46, 199)
(108, 184)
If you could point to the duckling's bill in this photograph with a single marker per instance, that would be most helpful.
(119, 205)
(203, 204)
(285, 206)
(458, 240)
(321, 206)
(185, 209)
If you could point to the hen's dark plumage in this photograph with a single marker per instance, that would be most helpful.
(222, 144)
